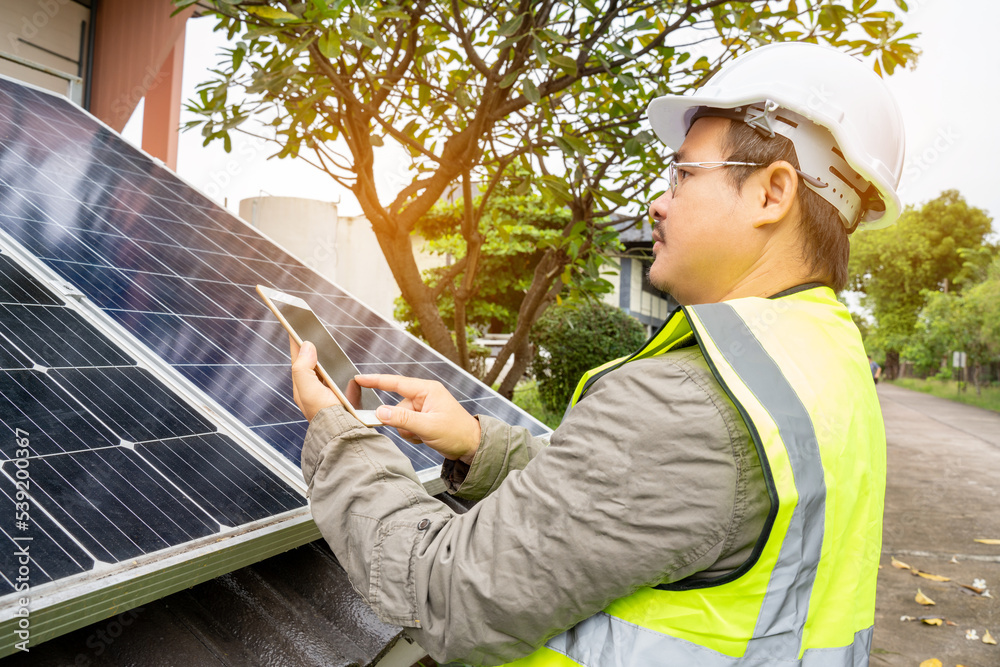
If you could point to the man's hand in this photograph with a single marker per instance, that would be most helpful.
(428, 413)
(309, 392)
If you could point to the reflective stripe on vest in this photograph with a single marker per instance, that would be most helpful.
(806, 598)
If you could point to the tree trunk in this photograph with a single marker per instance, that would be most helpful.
(539, 296)
(891, 370)
(399, 254)
(473, 249)
(522, 357)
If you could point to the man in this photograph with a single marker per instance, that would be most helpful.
(875, 368)
(715, 499)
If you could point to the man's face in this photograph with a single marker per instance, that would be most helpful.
(703, 245)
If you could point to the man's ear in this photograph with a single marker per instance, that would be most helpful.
(776, 189)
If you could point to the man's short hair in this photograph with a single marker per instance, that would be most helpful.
(826, 245)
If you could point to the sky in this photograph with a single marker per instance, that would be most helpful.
(949, 105)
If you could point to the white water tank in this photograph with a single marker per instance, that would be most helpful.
(343, 249)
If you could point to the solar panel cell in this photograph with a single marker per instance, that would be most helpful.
(10, 357)
(16, 286)
(176, 340)
(132, 403)
(114, 503)
(248, 397)
(53, 554)
(56, 337)
(287, 438)
(243, 340)
(108, 288)
(222, 478)
(33, 402)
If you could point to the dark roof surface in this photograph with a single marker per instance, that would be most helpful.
(296, 608)
(634, 233)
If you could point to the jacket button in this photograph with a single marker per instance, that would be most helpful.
(423, 525)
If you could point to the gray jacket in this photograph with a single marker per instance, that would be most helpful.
(651, 478)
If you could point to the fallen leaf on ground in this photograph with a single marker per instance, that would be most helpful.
(988, 638)
(974, 589)
(933, 621)
(950, 623)
(933, 662)
(954, 559)
(900, 565)
(971, 634)
(932, 577)
(923, 599)
(983, 540)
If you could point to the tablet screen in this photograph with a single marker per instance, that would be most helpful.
(331, 356)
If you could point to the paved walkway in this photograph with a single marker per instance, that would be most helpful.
(943, 491)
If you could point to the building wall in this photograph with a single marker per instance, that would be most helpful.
(341, 248)
(649, 307)
(131, 45)
(51, 34)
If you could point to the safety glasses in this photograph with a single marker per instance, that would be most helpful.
(673, 180)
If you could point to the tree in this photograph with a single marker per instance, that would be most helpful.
(517, 229)
(935, 248)
(968, 322)
(473, 90)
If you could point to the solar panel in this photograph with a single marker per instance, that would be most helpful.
(152, 380)
(102, 462)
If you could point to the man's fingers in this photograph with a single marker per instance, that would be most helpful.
(398, 384)
(304, 366)
(402, 420)
(410, 436)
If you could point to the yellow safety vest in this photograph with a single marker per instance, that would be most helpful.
(796, 370)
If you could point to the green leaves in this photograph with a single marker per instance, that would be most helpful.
(897, 267)
(573, 338)
(270, 13)
(515, 227)
(531, 91)
(511, 27)
(565, 63)
(556, 189)
(329, 44)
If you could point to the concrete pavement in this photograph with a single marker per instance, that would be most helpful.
(943, 491)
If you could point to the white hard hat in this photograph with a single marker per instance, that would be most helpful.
(840, 116)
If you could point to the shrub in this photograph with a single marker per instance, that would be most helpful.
(570, 339)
